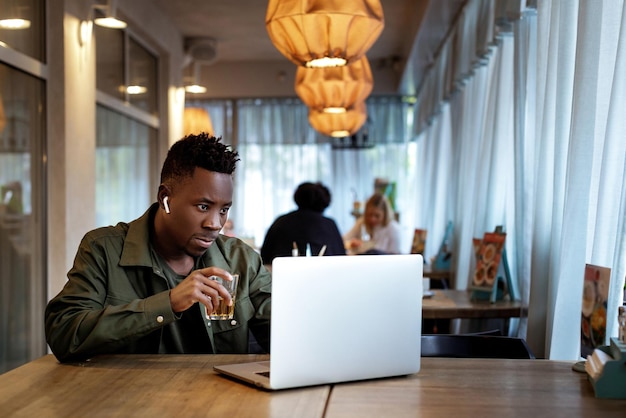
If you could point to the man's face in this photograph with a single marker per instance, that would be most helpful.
(199, 208)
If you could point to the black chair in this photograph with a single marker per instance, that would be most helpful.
(475, 346)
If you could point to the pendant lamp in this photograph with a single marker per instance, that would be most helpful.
(324, 33)
(334, 89)
(339, 125)
(197, 120)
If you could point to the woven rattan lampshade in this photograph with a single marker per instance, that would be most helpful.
(197, 120)
(315, 33)
(334, 87)
(339, 124)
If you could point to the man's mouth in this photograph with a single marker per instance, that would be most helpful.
(205, 241)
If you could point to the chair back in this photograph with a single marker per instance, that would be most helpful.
(475, 346)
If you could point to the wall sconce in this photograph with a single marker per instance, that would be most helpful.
(198, 52)
(335, 89)
(85, 30)
(322, 33)
(14, 16)
(339, 125)
(108, 18)
(136, 89)
(191, 85)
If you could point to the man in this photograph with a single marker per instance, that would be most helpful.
(305, 226)
(142, 287)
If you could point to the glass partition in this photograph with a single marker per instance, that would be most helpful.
(125, 160)
(142, 78)
(22, 27)
(110, 61)
(22, 220)
(126, 126)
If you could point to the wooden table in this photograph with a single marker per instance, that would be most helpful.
(451, 304)
(476, 388)
(186, 386)
(146, 386)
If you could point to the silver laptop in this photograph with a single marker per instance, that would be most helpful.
(338, 319)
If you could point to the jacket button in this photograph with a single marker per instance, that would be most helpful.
(159, 318)
(233, 322)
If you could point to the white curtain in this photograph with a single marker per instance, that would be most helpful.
(279, 150)
(580, 176)
(533, 135)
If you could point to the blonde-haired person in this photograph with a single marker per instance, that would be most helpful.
(376, 231)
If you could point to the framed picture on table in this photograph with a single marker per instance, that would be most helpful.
(594, 306)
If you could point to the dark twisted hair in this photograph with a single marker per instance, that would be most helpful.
(201, 150)
(314, 196)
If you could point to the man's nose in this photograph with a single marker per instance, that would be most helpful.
(212, 220)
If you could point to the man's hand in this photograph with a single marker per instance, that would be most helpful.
(198, 287)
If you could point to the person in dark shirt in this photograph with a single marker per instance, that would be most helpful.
(306, 226)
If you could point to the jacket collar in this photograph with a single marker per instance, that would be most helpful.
(136, 250)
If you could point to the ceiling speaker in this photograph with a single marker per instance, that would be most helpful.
(202, 50)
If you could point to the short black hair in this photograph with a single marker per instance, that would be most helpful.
(201, 150)
(314, 196)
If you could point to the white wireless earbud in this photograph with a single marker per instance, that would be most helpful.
(167, 207)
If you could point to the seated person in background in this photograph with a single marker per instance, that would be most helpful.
(142, 287)
(306, 225)
(376, 232)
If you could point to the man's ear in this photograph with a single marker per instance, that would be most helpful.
(163, 196)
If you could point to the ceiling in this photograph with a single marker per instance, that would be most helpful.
(412, 34)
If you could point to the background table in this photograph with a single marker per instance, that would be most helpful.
(444, 276)
(451, 304)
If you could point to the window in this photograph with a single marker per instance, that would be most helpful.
(29, 40)
(123, 157)
(22, 217)
(126, 136)
(22, 184)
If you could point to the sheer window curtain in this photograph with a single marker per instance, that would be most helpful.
(279, 150)
(581, 128)
(467, 167)
(467, 161)
(356, 170)
(537, 145)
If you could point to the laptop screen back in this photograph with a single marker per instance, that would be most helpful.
(343, 318)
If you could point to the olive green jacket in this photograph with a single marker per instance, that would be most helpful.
(117, 298)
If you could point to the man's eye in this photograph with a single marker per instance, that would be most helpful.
(224, 211)
(203, 207)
